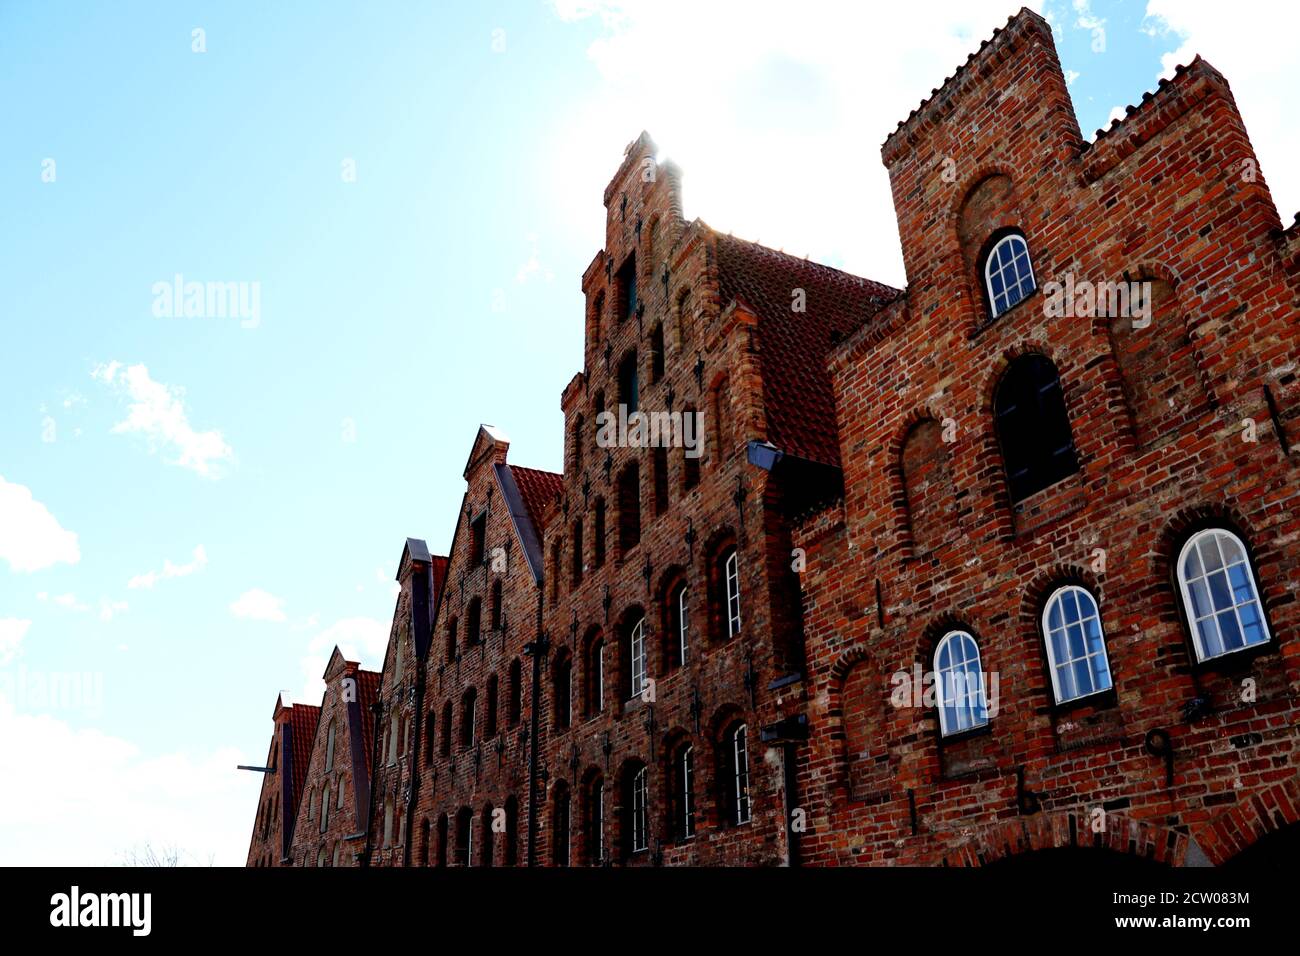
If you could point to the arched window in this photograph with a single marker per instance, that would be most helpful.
(1076, 646)
(629, 393)
(560, 835)
(1008, 273)
(1220, 596)
(636, 800)
(731, 590)
(960, 684)
(593, 821)
(512, 831)
(430, 741)
(452, 651)
(677, 631)
(516, 688)
(659, 477)
(325, 808)
(464, 839)
(563, 692)
(442, 840)
(1033, 427)
(485, 853)
(446, 729)
(598, 546)
(496, 605)
(329, 749)
(577, 553)
(490, 716)
(388, 821)
(629, 508)
(473, 622)
(467, 706)
(595, 671)
(393, 739)
(734, 778)
(684, 793)
(636, 659)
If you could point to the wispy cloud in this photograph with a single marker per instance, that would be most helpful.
(170, 570)
(31, 539)
(157, 411)
(258, 605)
(12, 632)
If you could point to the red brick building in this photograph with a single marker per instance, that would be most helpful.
(1080, 517)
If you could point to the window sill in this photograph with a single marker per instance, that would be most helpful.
(1234, 663)
(1097, 700)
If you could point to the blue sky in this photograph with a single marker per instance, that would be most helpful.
(195, 509)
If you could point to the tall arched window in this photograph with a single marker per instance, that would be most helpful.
(424, 842)
(496, 605)
(636, 659)
(563, 691)
(594, 821)
(442, 840)
(512, 831)
(629, 508)
(684, 793)
(1076, 646)
(1220, 596)
(446, 729)
(473, 622)
(598, 545)
(678, 639)
(467, 716)
(516, 688)
(325, 808)
(1033, 427)
(578, 557)
(731, 590)
(735, 777)
(960, 684)
(430, 741)
(595, 674)
(464, 838)
(561, 837)
(1008, 273)
(490, 713)
(636, 801)
(452, 651)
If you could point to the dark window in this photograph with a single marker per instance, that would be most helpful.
(579, 434)
(598, 546)
(577, 552)
(477, 539)
(451, 642)
(516, 693)
(734, 779)
(424, 842)
(659, 465)
(691, 465)
(429, 741)
(683, 797)
(446, 729)
(561, 836)
(636, 796)
(626, 285)
(595, 686)
(557, 547)
(1033, 427)
(490, 716)
(593, 823)
(467, 717)
(442, 840)
(628, 386)
(464, 818)
(563, 692)
(474, 622)
(496, 605)
(512, 831)
(629, 508)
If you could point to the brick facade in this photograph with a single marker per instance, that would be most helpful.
(535, 705)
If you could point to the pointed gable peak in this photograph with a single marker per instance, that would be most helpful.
(338, 664)
(491, 444)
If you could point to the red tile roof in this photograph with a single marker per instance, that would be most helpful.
(367, 693)
(302, 735)
(438, 565)
(538, 489)
(797, 388)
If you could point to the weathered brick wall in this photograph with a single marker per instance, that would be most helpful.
(1159, 424)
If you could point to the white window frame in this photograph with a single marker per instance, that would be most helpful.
(731, 579)
(598, 824)
(683, 624)
(686, 777)
(637, 658)
(963, 699)
(1054, 666)
(991, 258)
(740, 767)
(640, 836)
(1216, 534)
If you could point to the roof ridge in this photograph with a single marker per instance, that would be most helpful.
(805, 261)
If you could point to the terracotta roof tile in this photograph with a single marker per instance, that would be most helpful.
(797, 388)
(367, 693)
(538, 489)
(302, 721)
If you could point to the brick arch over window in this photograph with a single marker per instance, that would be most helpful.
(856, 705)
(924, 478)
(989, 207)
(668, 631)
(715, 552)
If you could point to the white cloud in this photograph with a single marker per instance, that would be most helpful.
(49, 430)
(361, 639)
(1253, 45)
(170, 570)
(157, 411)
(30, 537)
(85, 798)
(774, 112)
(110, 609)
(107, 609)
(12, 632)
(258, 605)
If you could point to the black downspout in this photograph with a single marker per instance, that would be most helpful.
(537, 650)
